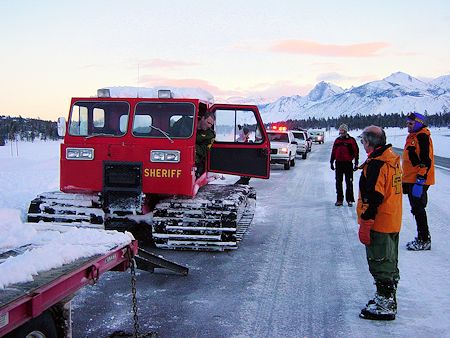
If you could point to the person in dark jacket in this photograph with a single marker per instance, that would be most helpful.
(345, 150)
(418, 175)
(379, 213)
(204, 140)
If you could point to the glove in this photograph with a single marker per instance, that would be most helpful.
(417, 188)
(355, 167)
(364, 230)
(332, 165)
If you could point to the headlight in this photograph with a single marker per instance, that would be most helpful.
(165, 156)
(79, 153)
(283, 150)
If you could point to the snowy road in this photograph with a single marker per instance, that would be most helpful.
(299, 272)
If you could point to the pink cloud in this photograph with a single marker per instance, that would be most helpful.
(315, 48)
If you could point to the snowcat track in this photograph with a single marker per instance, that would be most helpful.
(59, 207)
(215, 220)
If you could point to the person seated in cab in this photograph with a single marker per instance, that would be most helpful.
(182, 127)
(204, 140)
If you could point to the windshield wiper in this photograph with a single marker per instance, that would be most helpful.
(162, 132)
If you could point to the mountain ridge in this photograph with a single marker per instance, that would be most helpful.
(396, 93)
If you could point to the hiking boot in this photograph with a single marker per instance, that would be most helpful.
(419, 245)
(338, 203)
(380, 308)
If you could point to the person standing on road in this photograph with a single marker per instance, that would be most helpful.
(345, 150)
(379, 211)
(418, 175)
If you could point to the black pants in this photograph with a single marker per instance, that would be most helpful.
(418, 205)
(344, 168)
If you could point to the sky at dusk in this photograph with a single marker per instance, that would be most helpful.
(54, 50)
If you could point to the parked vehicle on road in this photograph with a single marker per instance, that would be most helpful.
(317, 136)
(302, 143)
(283, 147)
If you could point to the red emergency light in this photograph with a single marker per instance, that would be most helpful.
(279, 128)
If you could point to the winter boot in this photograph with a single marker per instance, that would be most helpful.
(384, 305)
(419, 245)
(350, 204)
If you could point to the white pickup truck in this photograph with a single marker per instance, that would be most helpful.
(283, 148)
(302, 146)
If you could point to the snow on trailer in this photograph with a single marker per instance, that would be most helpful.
(41, 269)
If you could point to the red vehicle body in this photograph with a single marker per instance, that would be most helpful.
(129, 153)
(86, 176)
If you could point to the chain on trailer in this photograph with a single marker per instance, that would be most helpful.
(136, 333)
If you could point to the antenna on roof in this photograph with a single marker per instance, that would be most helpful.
(138, 82)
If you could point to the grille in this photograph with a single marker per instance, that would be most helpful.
(122, 175)
(273, 151)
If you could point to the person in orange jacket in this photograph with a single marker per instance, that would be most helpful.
(379, 211)
(418, 175)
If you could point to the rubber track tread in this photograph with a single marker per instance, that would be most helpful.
(215, 220)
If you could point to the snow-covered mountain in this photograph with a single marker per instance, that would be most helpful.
(396, 93)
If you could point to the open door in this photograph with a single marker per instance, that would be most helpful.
(241, 146)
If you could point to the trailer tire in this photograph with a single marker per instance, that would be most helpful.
(42, 326)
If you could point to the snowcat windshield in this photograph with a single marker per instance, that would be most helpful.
(99, 118)
(176, 119)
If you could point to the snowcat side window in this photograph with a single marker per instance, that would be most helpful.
(78, 121)
(237, 126)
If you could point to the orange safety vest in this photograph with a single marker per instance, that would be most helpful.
(419, 165)
(388, 183)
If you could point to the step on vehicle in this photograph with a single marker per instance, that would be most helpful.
(128, 162)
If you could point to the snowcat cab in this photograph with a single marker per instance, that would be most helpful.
(128, 163)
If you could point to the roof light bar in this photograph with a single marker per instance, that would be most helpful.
(103, 92)
(165, 94)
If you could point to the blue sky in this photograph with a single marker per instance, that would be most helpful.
(53, 50)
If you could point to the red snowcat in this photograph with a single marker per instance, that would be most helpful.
(126, 164)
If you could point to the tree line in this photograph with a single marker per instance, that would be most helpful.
(26, 129)
(361, 121)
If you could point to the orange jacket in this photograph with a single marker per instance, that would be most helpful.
(418, 157)
(380, 190)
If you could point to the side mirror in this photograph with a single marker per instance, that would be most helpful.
(61, 126)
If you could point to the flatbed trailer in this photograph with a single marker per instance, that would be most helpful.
(43, 305)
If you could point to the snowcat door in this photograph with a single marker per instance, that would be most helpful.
(241, 146)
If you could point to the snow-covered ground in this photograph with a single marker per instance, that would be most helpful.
(26, 170)
(30, 168)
